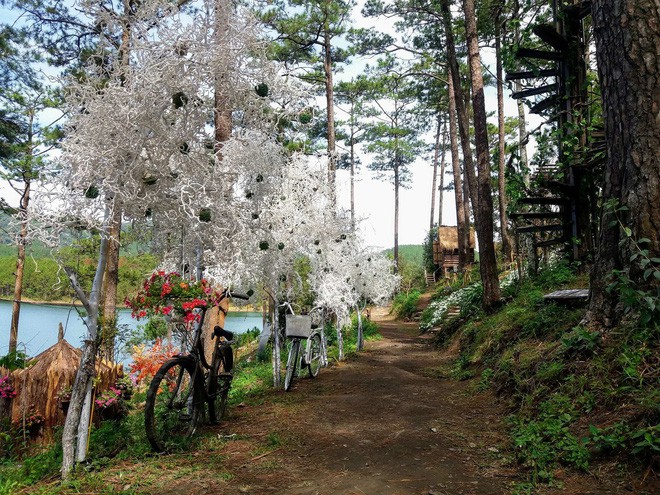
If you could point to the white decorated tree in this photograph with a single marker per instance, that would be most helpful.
(139, 141)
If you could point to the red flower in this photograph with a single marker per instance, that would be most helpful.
(166, 310)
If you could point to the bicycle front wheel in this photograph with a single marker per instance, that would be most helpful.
(173, 406)
(291, 364)
(315, 358)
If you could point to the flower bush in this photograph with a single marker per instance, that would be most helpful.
(6, 389)
(108, 398)
(146, 361)
(168, 292)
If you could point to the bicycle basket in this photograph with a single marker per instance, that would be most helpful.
(298, 326)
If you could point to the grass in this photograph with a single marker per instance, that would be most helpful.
(120, 459)
(574, 395)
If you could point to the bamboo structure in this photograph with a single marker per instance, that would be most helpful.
(445, 249)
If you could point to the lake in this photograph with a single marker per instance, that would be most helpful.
(38, 325)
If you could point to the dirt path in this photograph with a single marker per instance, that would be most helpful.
(378, 424)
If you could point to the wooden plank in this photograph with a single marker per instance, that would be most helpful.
(579, 10)
(534, 91)
(543, 200)
(542, 54)
(545, 104)
(530, 74)
(536, 214)
(529, 229)
(549, 35)
(550, 242)
(567, 294)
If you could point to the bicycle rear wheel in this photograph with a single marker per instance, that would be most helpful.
(314, 356)
(173, 405)
(291, 364)
(220, 382)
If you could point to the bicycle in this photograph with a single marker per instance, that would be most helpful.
(183, 384)
(299, 327)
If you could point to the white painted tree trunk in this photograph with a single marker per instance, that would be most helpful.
(360, 334)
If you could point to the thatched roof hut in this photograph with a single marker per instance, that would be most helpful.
(448, 237)
(445, 249)
(51, 371)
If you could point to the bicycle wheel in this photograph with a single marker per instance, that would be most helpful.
(291, 364)
(173, 405)
(314, 356)
(220, 382)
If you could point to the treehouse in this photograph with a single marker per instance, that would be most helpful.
(445, 249)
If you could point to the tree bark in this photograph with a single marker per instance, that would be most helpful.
(461, 110)
(329, 100)
(396, 213)
(434, 181)
(352, 165)
(22, 239)
(441, 186)
(77, 417)
(626, 35)
(507, 243)
(222, 115)
(461, 221)
(110, 282)
(484, 220)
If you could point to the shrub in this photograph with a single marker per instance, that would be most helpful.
(405, 305)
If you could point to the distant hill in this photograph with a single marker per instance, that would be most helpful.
(413, 253)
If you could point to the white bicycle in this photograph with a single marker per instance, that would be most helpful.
(299, 327)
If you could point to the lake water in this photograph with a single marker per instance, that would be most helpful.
(38, 325)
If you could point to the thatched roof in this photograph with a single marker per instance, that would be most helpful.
(448, 237)
(53, 370)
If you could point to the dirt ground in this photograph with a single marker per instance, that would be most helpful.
(382, 423)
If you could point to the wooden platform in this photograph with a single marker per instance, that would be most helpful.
(568, 296)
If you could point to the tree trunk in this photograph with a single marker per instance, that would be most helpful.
(522, 130)
(626, 35)
(507, 243)
(441, 186)
(78, 416)
(461, 110)
(396, 213)
(110, 281)
(20, 263)
(277, 346)
(222, 114)
(360, 332)
(461, 221)
(484, 220)
(329, 100)
(352, 165)
(434, 182)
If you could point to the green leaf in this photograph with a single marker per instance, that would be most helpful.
(647, 273)
(644, 240)
(627, 231)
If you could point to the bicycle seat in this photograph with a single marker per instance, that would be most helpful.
(218, 331)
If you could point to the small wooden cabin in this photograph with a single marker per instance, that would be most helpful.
(445, 249)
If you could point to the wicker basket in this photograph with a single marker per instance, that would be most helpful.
(298, 326)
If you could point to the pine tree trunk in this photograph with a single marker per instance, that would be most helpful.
(396, 213)
(461, 110)
(626, 35)
(329, 100)
(461, 223)
(441, 186)
(352, 165)
(222, 115)
(20, 264)
(507, 243)
(484, 220)
(434, 181)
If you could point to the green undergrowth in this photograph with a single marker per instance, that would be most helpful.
(404, 304)
(576, 396)
(27, 469)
